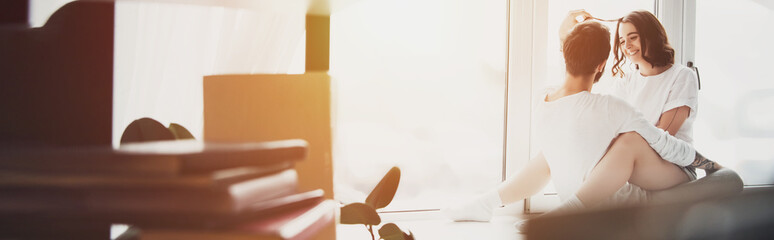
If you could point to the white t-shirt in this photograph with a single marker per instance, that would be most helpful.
(574, 132)
(654, 95)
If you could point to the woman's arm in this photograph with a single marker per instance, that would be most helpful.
(672, 120)
(527, 182)
(569, 22)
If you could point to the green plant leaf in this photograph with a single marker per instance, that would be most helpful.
(358, 213)
(383, 193)
(179, 131)
(391, 231)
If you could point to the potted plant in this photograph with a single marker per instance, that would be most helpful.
(365, 213)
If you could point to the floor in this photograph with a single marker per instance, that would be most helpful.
(432, 225)
(424, 225)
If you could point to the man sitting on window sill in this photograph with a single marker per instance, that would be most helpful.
(597, 149)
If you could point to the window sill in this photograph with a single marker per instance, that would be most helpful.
(433, 225)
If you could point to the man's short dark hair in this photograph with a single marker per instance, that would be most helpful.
(587, 46)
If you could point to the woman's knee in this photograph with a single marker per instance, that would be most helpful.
(629, 139)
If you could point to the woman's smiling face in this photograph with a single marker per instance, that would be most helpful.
(629, 41)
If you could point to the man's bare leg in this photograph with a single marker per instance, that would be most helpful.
(528, 181)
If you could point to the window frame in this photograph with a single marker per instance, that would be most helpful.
(679, 20)
(523, 28)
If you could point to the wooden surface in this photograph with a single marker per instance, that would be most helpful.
(197, 157)
(299, 224)
(220, 178)
(161, 158)
(116, 202)
(271, 107)
(56, 82)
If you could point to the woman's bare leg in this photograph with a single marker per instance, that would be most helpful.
(629, 159)
(527, 182)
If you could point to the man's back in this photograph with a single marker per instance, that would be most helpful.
(574, 132)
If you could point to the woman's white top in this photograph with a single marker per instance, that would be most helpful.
(653, 95)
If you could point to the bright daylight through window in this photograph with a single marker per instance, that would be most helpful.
(421, 88)
(735, 123)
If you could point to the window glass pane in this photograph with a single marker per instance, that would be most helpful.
(551, 71)
(418, 84)
(735, 125)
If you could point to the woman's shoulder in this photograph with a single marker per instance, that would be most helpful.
(680, 71)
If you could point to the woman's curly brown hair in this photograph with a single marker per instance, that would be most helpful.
(654, 44)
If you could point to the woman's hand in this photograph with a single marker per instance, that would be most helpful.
(573, 18)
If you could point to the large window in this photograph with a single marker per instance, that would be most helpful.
(418, 84)
(735, 125)
(423, 88)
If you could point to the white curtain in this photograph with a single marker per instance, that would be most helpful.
(162, 51)
(163, 48)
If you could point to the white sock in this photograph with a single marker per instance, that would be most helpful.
(477, 209)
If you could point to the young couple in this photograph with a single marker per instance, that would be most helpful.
(602, 150)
